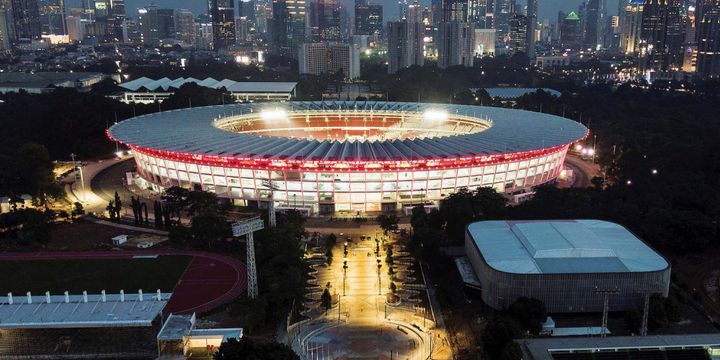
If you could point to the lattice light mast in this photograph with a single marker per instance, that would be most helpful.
(272, 222)
(248, 227)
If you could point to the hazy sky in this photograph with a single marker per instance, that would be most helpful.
(547, 8)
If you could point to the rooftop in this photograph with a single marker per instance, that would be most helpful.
(166, 84)
(562, 246)
(543, 349)
(57, 311)
(193, 131)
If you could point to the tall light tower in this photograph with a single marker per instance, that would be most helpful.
(272, 222)
(605, 292)
(248, 227)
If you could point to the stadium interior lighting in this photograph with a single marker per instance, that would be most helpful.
(273, 114)
(435, 115)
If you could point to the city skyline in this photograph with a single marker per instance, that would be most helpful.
(547, 9)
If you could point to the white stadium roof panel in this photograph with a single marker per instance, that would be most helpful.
(562, 246)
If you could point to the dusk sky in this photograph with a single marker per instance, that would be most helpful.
(547, 8)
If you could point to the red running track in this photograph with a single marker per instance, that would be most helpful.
(209, 281)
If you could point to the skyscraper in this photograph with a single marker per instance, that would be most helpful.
(708, 28)
(592, 25)
(115, 20)
(222, 17)
(156, 24)
(325, 20)
(661, 35)
(52, 17)
(185, 27)
(26, 19)
(405, 42)
(246, 9)
(569, 32)
(332, 59)
(4, 29)
(287, 27)
(368, 19)
(456, 44)
(532, 9)
(518, 34)
(504, 10)
(631, 27)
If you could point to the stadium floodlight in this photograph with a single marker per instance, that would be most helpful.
(273, 114)
(435, 115)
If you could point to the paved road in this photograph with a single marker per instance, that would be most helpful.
(583, 171)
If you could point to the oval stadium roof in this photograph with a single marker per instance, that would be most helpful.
(191, 131)
(562, 247)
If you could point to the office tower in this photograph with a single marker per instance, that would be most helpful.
(114, 20)
(455, 10)
(591, 37)
(331, 59)
(287, 27)
(246, 9)
(708, 29)
(325, 20)
(75, 28)
(570, 32)
(405, 44)
(662, 35)
(504, 10)
(402, 9)
(436, 6)
(531, 25)
(156, 25)
(26, 19)
(456, 44)
(632, 26)
(52, 17)
(691, 35)
(368, 19)
(5, 43)
(185, 27)
(222, 17)
(484, 42)
(518, 34)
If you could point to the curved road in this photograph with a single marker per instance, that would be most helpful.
(112, 179)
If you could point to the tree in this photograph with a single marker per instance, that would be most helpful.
(465, 206)
(249, 349)
(529, 312)
(328, 257)
(207, 228)
(175, 200)
(249, 312)
(78, 209)
(512, 351)
(118, 206)
(388, 222)
(36, 228)
(499, 332)
(201, 202)
(326, 299)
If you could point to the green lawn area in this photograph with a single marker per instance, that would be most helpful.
(93, 275)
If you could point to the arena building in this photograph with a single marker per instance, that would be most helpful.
(326, 157)
(567, 264)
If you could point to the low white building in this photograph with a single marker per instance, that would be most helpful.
(147, 91)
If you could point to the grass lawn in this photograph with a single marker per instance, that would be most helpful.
(93, 275)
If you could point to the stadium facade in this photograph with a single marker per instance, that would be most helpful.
(567, 264)
(326, 157)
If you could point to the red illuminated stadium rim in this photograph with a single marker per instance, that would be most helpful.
(343, 166)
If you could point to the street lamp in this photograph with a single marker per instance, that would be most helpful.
(345, 267)
(379, 266)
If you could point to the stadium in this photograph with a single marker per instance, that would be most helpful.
(567, 264)
(359, 156)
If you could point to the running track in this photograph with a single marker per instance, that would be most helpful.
(210, 280)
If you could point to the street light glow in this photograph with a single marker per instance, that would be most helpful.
(578, 147)
(654, 171)
(119, 154)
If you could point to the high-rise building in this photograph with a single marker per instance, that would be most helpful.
(504, 10)
(708, 29)
(661, 35)
(5, 43)
(405, 44)
(484, 42)
(246, 9)
(325, 20)
(591, 37)
(185, 27)
(156, 25)
(26, 19)
(222, 17)
(115, 19)
(52, 17)
(691, 35)
(570, 31)
(331, 59)
(287, 27)
(531, 25)
(368, 19)
(456, 44)
(631, 27)
(518, 34)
